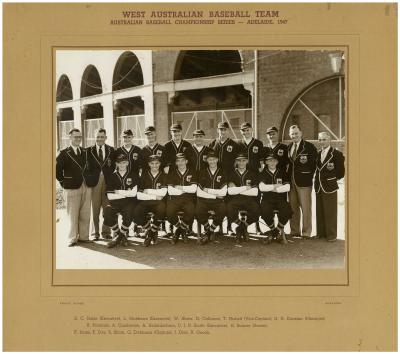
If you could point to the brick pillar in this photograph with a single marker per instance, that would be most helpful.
(161, 115)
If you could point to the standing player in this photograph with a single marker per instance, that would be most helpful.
(225, 147)
(274, 185)
(122, 186)
(253, 148)
(275, 147)
(182, 186)
(72, 173)
(100, 158)
(152, 147)
(243, 189)
(151, 194)
(330, 169)
(200, 150)
(175, 146)
(132, 152)
(302, 164)
(212, 188)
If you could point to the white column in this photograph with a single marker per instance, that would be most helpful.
(76, 107)
(108, 112)
(148, 107)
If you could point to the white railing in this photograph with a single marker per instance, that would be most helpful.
(90, 126)
(134, 122)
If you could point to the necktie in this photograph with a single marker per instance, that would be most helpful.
(78, 152)
(295, 151)
(101, 154)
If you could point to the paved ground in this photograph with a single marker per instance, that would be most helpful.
(223, 254)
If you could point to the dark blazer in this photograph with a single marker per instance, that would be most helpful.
(329, 172)
(72, 170)
(302, 168)
(107, 166)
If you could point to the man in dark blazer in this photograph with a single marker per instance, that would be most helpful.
(101, 161)
(330, 169)
(72, 172)
(302, 163)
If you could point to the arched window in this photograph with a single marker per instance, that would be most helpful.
(130, 112)
(64, 89)
(91, 82)
(203, 108)
(127, 72)
(319, 107)
(202, 63)
(65, 116)
(92, 114)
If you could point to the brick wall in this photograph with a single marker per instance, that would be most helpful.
(282, 75)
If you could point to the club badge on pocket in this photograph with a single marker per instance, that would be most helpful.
(330, 166)
(229, 148)
(129, 181)
(109, 162)
(303, 158)
(280, 152)
(255, 149)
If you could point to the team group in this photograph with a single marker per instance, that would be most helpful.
(180, 182)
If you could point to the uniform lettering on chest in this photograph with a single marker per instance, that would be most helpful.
(279, 180)
(218, 179)
(135, 155)
(204, 158)
(280, 152)
(248, 182)
(159, 152)
(330, 166)
(158, 185)
(183, 149)
(255, 149)
(188, 178)
(128, 181)
(303, 158)
(229, 148)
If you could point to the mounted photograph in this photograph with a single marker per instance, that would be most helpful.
(200, 159)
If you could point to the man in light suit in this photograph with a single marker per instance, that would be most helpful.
(302, 163)
(330, 169)
(101, 160)
(72, 172)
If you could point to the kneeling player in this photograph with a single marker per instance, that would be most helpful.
(150, 211)
(121, 192)
(212, 188)
(182, 186)
(274, 185)
(242, 207)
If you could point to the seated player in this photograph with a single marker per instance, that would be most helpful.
(151, 194)
(274, 185)
(121, 192)
(182, 186)
(242, 207)
(211, 190)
